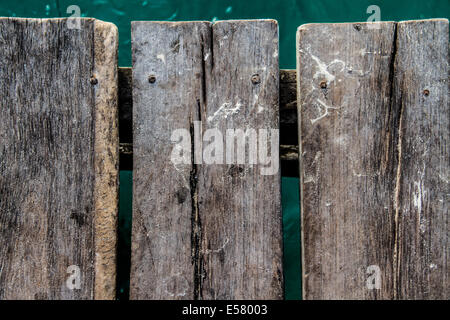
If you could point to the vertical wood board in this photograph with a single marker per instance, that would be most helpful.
(58, 158)
(203, 231)
(239, 203)
(421, 88)
(361, 98)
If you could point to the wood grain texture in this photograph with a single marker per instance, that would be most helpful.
(347, 147)
(161, 260)
(356, 110)
(59, 158)
(203, 231)
(288, 121)
(423, 193)
(106, 158)
(239, 208)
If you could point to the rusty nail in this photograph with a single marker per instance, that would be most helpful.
(152, 78)
(426, 92)
(323, 84)
(93, 80)
(255, 79)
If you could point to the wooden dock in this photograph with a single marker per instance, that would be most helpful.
(209, 123)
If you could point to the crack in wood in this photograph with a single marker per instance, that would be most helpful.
(211, 42)
(196, 225)
(203, 70)
(396, 258)
(399, 127)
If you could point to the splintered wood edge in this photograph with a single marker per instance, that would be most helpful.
(106, 150)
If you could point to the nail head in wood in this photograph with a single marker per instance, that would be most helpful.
(93, 80)
(256, 79)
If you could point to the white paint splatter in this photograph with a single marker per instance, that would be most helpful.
(417, 195)
(309, 179)
(161, 57)
(363, 52)
(317, 157)
(365, 174)
(359, 175)
(208, 251)
(445, 179)
(323, 68)
(326, 107)
(225, 110)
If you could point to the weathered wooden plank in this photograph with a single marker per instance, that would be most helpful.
(347, 133)
(374, 162)
(106, 158)
(204, 231)
(422, 186)
(59, 158)
(239, 209)
(172, 53)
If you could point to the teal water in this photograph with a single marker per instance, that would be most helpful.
(289, 14)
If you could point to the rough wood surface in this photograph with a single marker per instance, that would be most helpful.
(203, 231)
(288, 121)
(106, 158)
(345, 170)
(161, 256)
(239, 208)
(59, 158)
(366, 131)
(422, 194)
